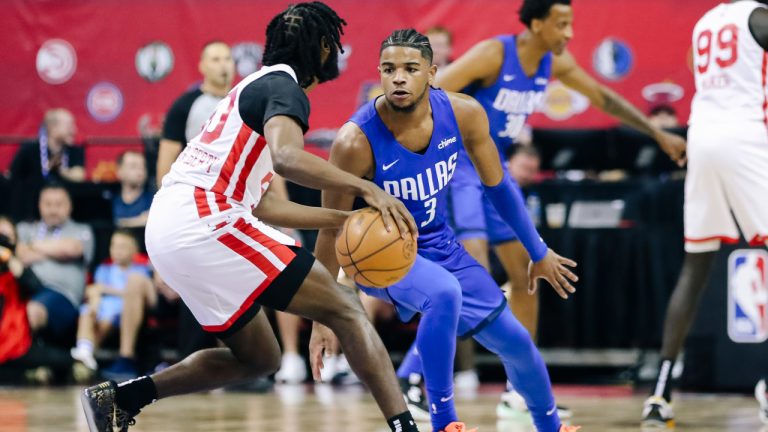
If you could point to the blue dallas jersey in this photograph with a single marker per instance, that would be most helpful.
(418, 180)
(513, 97)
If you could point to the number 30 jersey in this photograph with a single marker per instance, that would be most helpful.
(729, 67)
(419, 180)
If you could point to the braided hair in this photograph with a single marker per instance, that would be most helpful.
(294, 37)
(409, 38)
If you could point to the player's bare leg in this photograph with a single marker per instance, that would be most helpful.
(251, 352)
(657, 411)
(336, 306)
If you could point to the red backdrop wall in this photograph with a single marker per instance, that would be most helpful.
(652, 37)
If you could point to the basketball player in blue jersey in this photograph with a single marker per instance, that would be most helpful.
(508, 76)
(408, 142)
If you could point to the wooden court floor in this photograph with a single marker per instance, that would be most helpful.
(326, 409)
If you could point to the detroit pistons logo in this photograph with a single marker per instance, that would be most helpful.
(56, 61)
(154, 61)
(104, 102)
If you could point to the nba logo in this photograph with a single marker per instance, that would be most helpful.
(748, 296)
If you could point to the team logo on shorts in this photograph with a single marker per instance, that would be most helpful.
(56, 61)
(154, 61)
(612, 59)
(748, 296)
(247, 56)
(104, 102)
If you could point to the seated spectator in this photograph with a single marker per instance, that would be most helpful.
(663, 116)
(51, 158)
(118, 297)
(58, 250)
(131, 206)
(20, 357)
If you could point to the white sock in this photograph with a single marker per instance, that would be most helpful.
(85, 345)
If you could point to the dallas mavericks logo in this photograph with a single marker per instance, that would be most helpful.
(154, 61)
(612, 59)
(748, 296)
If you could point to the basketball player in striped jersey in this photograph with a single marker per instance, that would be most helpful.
(727, 171)
(408, 142)
(207, 233)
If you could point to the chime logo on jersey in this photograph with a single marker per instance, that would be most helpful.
(424, 185)
(748, 296)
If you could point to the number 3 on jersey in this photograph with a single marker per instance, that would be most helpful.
(215, 124)
(726, 52)
(430, 204)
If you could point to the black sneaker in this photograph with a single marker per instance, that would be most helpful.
(414, 397)
(101, 412)
(657, 414)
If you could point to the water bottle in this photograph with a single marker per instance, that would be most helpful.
(533, 203)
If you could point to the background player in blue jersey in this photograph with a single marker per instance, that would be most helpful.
(508, 75)
(408, 143)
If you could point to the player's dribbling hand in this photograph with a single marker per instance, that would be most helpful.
(673, 145)
(393, 212)
(553, 270)
(322, 342)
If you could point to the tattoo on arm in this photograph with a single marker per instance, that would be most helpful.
(620, 108)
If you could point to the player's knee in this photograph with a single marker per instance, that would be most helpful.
(261, 362)
(446, 295)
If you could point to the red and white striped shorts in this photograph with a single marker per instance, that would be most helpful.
(222, 264)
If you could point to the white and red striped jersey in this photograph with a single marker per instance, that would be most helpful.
(729, 67)
(228, 162)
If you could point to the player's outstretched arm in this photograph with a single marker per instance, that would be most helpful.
(279, 211)
(507, 198)
(565, 68)
(286, 143)
(481, 63)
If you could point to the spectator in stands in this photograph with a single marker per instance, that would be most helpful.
(131, 207)
(121, 292)
(441, 40)
(58, 251)
(663, 116)
(191, 110)
(523, 164)
(20, 357)
(53, 157)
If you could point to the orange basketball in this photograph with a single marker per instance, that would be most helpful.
(369, 254)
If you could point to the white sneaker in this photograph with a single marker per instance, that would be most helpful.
(466, 381)
(293, 369)
(344, 375)
(513, 407)
(85, 357)
(761, 394)
(329, 368)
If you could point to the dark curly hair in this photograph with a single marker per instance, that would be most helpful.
(293, 38)
(537, 9)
